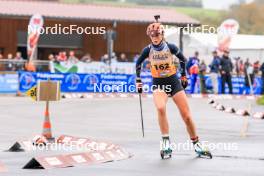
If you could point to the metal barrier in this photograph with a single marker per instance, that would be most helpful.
(19, 65)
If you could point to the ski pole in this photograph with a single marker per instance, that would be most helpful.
(141, 113)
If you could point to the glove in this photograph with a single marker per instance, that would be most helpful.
(184, 82)
(139, 85)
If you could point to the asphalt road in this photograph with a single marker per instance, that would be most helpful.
(118, 120)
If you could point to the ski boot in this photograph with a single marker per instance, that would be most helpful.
(166, 151)
(202, 151)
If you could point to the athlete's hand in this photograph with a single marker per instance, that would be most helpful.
(184, 82)
(139, 85)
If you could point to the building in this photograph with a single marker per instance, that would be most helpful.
(129, 22)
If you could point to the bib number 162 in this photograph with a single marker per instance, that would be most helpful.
(162, 66)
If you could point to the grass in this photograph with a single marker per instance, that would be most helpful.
(199, 12)
(106, 2)
(192, 11)
(260, 101)
(205, 16)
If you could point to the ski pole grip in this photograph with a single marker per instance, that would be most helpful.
(139, 85)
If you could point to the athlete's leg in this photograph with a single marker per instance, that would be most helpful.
(160, 100)
(180, 100)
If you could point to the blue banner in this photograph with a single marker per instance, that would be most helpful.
(8, 83)
(125, 83)
(238, 84)
(73, 82)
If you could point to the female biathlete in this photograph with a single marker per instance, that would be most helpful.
(166, 83)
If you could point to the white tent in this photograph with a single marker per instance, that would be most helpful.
(243, 46)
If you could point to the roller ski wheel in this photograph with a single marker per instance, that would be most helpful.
(205, 154)
(166, 151)
(165, 154)
(202, 152)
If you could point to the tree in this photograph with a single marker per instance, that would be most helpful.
(250, 17)
(179, 3)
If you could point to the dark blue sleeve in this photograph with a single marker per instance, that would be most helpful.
(177, 52)
(142, 57)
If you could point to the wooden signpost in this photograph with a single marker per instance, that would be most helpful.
(46, 91)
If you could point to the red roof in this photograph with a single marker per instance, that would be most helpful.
(93, 12)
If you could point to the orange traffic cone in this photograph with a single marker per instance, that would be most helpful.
(47, 126)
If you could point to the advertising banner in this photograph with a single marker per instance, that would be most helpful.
(123, 83)
(8, 83)
(34, 26)
(73, 82)
(93, 67)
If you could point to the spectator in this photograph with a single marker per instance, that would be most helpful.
(18, 56)
(249, 78)
(30, 66)
(202, 72)
(241, 68)
(72, 58)
(10, 56)
(262, 77)
(246, 65)
(1, 56)
(87, 58)
(237, 63)
(193, 69)
(113, 58)
(246, 71)
(20, 61)
(123, 58)
(62, 57)
(214, 71)
(104, 59)
(226, 68)
(256, 67)
(11, 64)
(135, 58)
(51, 58)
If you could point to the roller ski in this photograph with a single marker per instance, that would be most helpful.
(166, 151)
(202, 151)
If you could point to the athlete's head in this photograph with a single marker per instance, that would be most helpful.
(156, 31)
